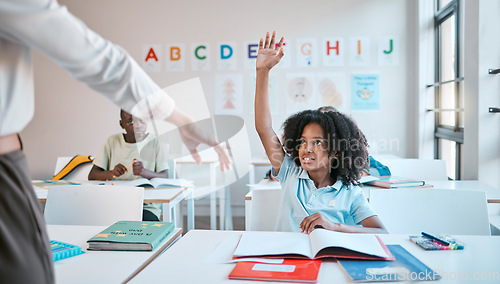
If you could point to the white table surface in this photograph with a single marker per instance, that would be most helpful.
(97, 266)
(185, 262)
(492, 194)
(169, 197)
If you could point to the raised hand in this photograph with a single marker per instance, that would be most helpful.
(269, 54)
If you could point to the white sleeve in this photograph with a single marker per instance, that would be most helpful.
(107, 68)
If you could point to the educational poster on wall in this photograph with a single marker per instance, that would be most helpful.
(388, 51)
(176, 57)
(151, 58)
(200, 56)
(359, 51)
(365, 92)
(286, 61)
(332, 52)
(307, 54)
(273, 93)
(300, 92)
(226, 59)
(250, 50)
(332, 91)
(228, 94)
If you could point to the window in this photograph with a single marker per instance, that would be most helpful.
(449, 110)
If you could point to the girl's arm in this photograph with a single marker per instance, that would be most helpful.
(267, 58)
(371, 225)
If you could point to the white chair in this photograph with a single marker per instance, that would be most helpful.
(435, 211)
(421, 169)
(80, 173)
(264, 210)
(96, 205)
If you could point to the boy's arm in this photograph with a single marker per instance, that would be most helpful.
(267, 58)
(139, 170)
(98, 173)
(150, 174)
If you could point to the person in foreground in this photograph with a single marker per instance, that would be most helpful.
(319, 172)
(123, 149)
(49, 28)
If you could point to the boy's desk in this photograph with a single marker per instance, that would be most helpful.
(169, 197)
(99, 266)
(187, 260)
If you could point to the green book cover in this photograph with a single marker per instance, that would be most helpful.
(131, 235)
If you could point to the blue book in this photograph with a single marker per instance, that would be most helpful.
(62, 250)
(406, 267)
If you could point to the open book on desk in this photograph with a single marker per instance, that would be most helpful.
(318, 244)
(154, 182)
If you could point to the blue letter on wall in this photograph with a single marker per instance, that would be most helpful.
(225, 46)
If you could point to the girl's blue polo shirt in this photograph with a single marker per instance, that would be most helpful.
(300, 198)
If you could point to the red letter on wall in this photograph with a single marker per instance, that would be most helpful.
(328, 47)
(151, 54)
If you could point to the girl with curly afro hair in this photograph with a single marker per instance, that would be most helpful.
(319, 163)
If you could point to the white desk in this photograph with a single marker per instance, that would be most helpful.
(255, 163)
(170, 198)
(211, 160)
(185, 262)
(492, 194)
(98, 266)
(263, 184)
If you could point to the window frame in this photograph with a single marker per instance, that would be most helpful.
(447, 132)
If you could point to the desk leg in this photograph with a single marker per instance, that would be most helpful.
(213, 197)
(213, 210)
(251, 174)
(222, 208)
(190, 211)
(248, 211)
(228, 213)
(167, 212)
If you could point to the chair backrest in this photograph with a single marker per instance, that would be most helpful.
(421, 169)
(436, 211)
(93, 204)
(80, 173)
(265, 208)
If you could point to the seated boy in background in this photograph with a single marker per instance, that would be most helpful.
(121, 152)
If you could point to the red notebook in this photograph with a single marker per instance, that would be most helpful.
(291, 270)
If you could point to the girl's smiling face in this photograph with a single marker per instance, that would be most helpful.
(313, 149)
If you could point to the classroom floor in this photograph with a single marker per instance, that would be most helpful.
(203, 223)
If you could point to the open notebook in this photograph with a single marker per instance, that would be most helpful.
(154, 182)
(318, 244)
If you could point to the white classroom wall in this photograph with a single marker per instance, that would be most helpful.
(70, 118)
